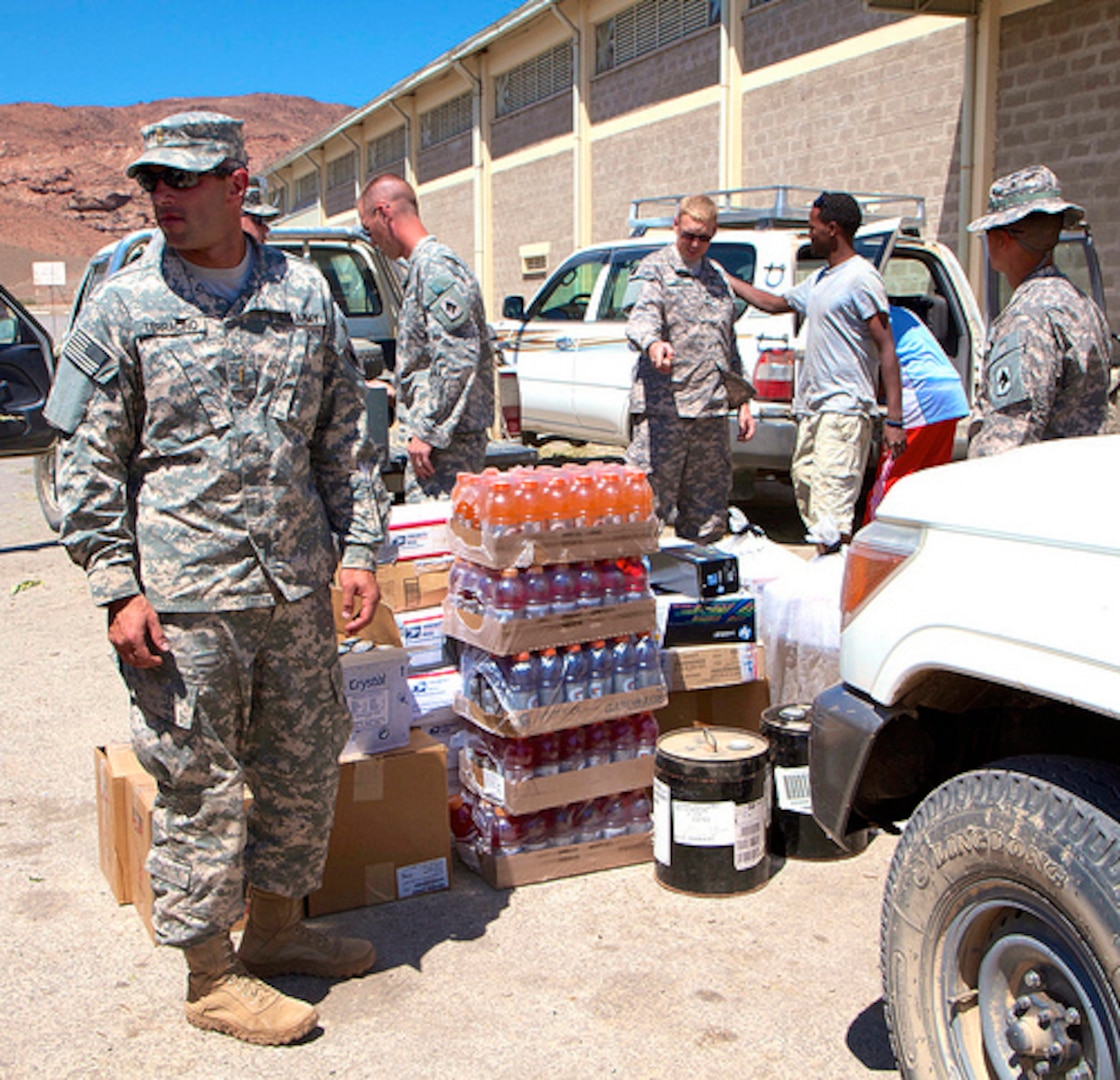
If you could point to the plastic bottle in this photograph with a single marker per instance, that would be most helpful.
(547, 750)
(624, 741)
(640, 811)
(538, 600)
(562, 589)
(613, 581)
(615, 816)
(583, 500)
(527, 492)
(487, 581)
(637, 578)
(487, 699)
(600, 670)
(555, 499)
(575, 673)
(550, 677)
(588, 824)
(646, 732)
(466, 587)
(563, 826)
(598, 745)
(463, 827)
(647, 659)
(509, 597)
(517, 759)
(505, 832)
(522, 681)
(638, 495)
(502, 517)
(534, 831)
(589, 587)
(625, 666)
(572, 748)
(609, 483)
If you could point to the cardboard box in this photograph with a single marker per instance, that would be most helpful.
(391, 838)
(683, 620)
(520, 635)
(565, 545)
(113, 765)
(696, 667)
(414, 584)
(566, 714)
(422, 635)
(542, 792)
(141, 799)
(375, 684)
(432, 696)
(417, 531)
(507, 871)
(724, 706)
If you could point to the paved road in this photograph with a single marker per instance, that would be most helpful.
(602, 975)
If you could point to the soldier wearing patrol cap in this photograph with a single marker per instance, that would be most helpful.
(255, 212)
(1046, 366)
(444, 373)
(211, 466)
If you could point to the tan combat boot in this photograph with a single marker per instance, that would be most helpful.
(278, 942)
(222, 996)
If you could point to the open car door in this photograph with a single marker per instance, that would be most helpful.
(26, 370)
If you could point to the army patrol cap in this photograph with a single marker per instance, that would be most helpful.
(194, 141)
(1033, 190)
(254, 204)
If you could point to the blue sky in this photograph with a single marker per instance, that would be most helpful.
(122, 52)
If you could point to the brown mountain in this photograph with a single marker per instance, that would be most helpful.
(63, 192)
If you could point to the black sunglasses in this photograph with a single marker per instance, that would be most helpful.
(180, 179)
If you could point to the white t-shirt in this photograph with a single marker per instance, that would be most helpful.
(841, 366)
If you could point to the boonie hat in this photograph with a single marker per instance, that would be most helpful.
(253, 204)
(195, 141)
(1033, 190)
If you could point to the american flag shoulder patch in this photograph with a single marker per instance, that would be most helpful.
(85, 354)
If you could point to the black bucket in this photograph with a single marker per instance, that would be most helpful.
(795, 832)
(711, 811)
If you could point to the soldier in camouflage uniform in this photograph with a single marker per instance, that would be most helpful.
(211, 460)
(1046, 366)
(255, 212)
(444, 376)
(683, 325)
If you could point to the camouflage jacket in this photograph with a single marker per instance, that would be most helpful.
(211, 449)
(1046, 368)
(694, 311)
(445, 366)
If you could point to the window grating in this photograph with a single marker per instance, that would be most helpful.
(386, 150)
(536, 79)
(649, 25)
(446, 121)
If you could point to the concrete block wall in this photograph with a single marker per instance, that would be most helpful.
(1058, 102)
(532, 204)
(448, 213)
(679, 154)
(535, 124)
(667, 73)
(867, 124)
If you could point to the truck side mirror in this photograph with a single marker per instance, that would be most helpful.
(513, 307)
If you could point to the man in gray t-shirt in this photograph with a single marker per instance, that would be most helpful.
(848, 345)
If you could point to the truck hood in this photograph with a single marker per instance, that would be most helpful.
(1059, 492)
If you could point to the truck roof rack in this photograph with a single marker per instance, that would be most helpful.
(771, 206)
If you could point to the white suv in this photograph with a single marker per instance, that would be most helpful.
(574, 366)
(981, 700)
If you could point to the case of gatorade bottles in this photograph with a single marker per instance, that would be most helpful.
(548, 514)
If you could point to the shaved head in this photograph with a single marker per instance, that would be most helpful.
(390, 188)
(390, 214)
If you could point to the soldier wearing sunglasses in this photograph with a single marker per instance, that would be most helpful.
(211, 465)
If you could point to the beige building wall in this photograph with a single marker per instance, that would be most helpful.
(1058, 102)
(448, 212)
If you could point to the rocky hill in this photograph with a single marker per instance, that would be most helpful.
(63, 191)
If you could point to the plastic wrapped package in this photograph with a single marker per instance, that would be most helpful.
(799, 625)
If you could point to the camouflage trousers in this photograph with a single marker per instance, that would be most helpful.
(243, 697)
(467, 453)
(688, 462)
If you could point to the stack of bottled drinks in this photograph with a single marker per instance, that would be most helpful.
(522, 664)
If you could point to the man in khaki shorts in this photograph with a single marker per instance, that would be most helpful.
(848, 346)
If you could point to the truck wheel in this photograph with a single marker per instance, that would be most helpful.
(1000, 944)
(45, 489)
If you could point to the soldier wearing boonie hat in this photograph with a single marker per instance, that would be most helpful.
(1046, 365)
(211, 350)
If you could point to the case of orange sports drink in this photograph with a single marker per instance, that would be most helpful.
(546, 514)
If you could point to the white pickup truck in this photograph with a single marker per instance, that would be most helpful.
(980, 700)
(575, 368)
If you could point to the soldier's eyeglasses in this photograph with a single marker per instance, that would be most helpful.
(179, 179)
(696, 237)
